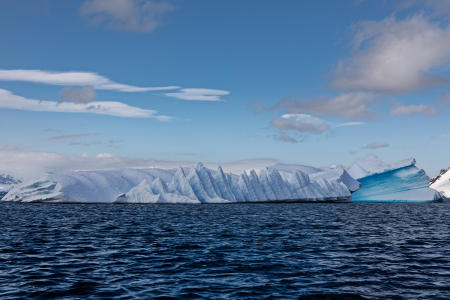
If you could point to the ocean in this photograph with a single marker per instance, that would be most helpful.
(230, 251)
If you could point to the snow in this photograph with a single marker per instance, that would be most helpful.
(189, 185)
(373, 165)
(442, 183)
(398, 182)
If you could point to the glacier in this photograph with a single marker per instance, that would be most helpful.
(189, 185)
(398, 182)
(441, 183)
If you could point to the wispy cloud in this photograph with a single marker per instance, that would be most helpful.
(350, 124)
(395, 56)
(129, 15)
(71, 136)
(117, 109)
(83, 79)
(413, 109)
(301, 125)
(347, 106)
(376, 145)
(199, 94)
(300, 122)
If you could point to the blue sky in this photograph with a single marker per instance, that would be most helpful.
(318, 82)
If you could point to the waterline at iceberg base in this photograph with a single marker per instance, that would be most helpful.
(377, 181)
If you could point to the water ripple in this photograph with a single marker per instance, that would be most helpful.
(251, 251)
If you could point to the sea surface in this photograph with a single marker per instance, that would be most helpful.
(237, 251)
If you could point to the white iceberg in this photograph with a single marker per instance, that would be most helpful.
(398, 182)
(189, 185)
(6, 183)
(441, 183)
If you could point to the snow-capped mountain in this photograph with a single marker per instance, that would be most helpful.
(401, 181)
(441, 183)
(189, 185)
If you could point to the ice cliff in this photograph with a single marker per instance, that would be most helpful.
(189, 185)
(398, 182)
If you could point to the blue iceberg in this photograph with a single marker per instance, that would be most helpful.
(398, 182)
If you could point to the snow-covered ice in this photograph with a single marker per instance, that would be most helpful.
(189, 185)
(399, 182)
(441, 183)
(6, 183)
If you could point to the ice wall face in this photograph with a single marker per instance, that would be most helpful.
(83, 186)
(6, 183)
(399, 182)
(189, 185)
(441, 183)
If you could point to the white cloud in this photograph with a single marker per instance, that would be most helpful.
(376, 145)
(117, 109)
(303, 124)
(300, 122)
(413, 109)
(74, 79)
(130, 15)
(199, 94)
(395, 56)
(350, 124)
(105, 155)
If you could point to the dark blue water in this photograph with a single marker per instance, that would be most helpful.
(377, 251)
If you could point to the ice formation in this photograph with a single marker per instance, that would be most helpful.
(441, 183)
(6, 183)
(189, 185)
(399, 182)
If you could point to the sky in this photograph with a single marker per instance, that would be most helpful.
(133, 83)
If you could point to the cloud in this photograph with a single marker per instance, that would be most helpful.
(71, 136)
(376, 145)
(395, 56)
(108, 143)
(78, 95)
(347, 106)
(29, 165)
(300, 122)
(199, 94)
(105, 155)
(413, 109)
(350, 124)
(128, 15)
(435, 8)
(117, 109)
(74, 79)
(303, 124)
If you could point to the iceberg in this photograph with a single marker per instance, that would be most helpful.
(398, 182)
(441, 183)
(6, 183)
(280, 183)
